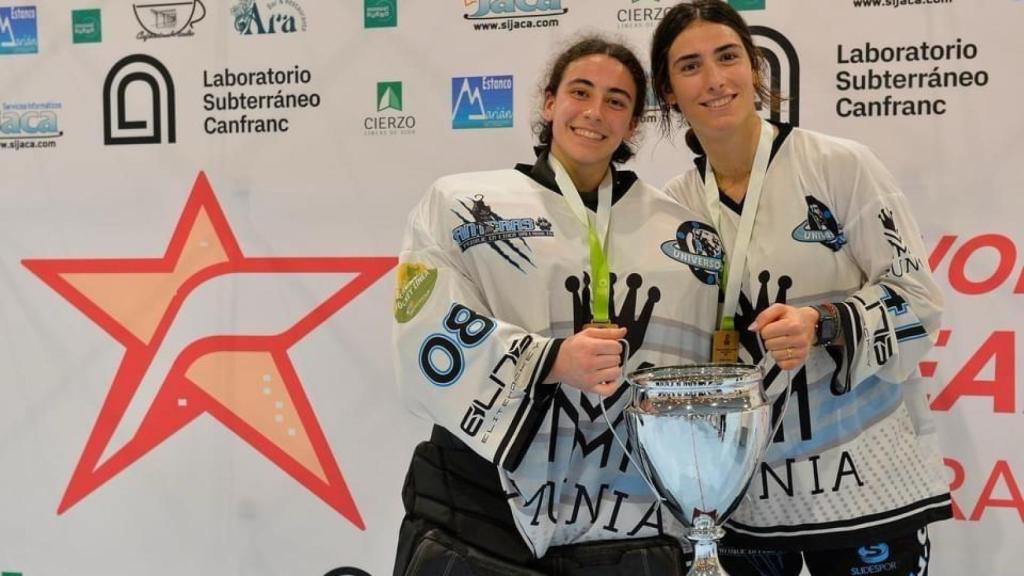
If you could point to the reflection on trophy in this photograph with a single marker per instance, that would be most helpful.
(166, 19)
(701, 432)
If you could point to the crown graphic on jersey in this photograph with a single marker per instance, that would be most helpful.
(625, 317)
(892, 234)
(745, 315)
(888, 223)
(746, 312)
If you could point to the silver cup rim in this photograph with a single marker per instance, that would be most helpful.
(696, 376)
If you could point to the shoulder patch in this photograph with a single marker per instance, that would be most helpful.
(413, 287)
(698, 246)
(821, 226)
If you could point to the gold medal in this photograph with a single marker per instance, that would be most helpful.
(725, 346)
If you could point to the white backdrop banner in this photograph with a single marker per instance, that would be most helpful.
(201, 204)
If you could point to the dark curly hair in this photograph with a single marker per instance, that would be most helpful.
(588, 46)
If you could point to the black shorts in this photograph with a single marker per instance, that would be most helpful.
(436, 553)
(904, 555)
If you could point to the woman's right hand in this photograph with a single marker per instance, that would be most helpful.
(590, 361)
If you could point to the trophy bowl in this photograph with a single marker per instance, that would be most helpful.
(700, 432)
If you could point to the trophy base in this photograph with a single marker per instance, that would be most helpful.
(705, 559)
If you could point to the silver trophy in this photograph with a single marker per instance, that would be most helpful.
(701, 431)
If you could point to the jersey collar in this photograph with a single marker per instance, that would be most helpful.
(541, 173)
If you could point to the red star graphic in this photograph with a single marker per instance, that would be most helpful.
(247, 382)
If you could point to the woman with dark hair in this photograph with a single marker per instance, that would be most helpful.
(516, 291)
(825, 274)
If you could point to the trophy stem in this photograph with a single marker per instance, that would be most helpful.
(705, 553)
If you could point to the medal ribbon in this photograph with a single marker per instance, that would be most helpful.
(737, 262)
(597, 234)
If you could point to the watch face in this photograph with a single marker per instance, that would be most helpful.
(826, 329)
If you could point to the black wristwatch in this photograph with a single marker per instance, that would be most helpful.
(827, 328)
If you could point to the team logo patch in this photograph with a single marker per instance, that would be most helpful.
(506, 236)
(698, 246)
(414, 285)
(821, 226)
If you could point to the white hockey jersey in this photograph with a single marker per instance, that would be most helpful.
(856, 456)
(493, 272)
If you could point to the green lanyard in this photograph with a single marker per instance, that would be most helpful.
(597, 234)
(602, 278)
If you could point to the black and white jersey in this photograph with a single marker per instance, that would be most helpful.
(856, 453)
(493, 274)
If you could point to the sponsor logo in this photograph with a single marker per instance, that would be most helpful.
(380, 13)
(117, 128)
(504, 235)
(482, 102)
(86, 26)
(873, 554)
(168, 19)
(514, 15)
(389, 98)
(900, 3)
(893, 83)
(504, 376)
(647, 15)
(272, 17)
(747, 4)
(875, 559)
(18, 30)
(698, 246)
(413, 287)
(240, 374)
(240, 95)
(782, 73)
(29, 125)
(821, 226)
(499, 9)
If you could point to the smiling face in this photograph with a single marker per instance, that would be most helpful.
(712, 79)
(590, 114)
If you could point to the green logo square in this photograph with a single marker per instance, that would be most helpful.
(747, 4)
(85, 26)
(389, 96)
(380, 13)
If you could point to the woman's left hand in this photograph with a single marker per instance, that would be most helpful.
(787, 333)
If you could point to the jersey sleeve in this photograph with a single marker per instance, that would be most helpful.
(456, 364)
(892, 321)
